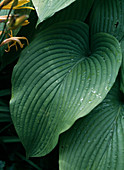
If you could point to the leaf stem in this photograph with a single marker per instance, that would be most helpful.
(28, 161)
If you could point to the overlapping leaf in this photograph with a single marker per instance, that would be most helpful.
(47, 8)
(77, 10)
(96, 142)
(122, 68)
(58, 79)
(108, 16)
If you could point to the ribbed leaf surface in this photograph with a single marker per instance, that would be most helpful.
(96, 142)
(77, 10)
(47, 8)
(58, 79)
(108, 16)
(122, 68)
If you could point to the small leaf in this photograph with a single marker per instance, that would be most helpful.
(5, 92)
(5, 117)
(4, 109)
(96, 141)
(47, 8)
(2, 13)
(58, 79)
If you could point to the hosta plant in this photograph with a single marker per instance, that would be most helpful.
(68, 84)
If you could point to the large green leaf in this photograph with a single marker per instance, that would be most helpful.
(108, 16)
(96, 142)
(58, 79)
(122, 68)
(77, 10)
(47, 8)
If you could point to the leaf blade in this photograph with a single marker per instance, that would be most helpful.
(56, 85)
(47, 8)
(122, 68)
(78, 10)
(96, 141)
(107, 16)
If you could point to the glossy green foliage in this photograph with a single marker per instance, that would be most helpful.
(96, 141)
(61, 84)
(108, 16)
(76, 11)
(47, 8)
(122, 68)
(59, 79)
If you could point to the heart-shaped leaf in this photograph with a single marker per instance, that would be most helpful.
(96, 141)
(108, 16)
(58, 79)
(47, 8)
